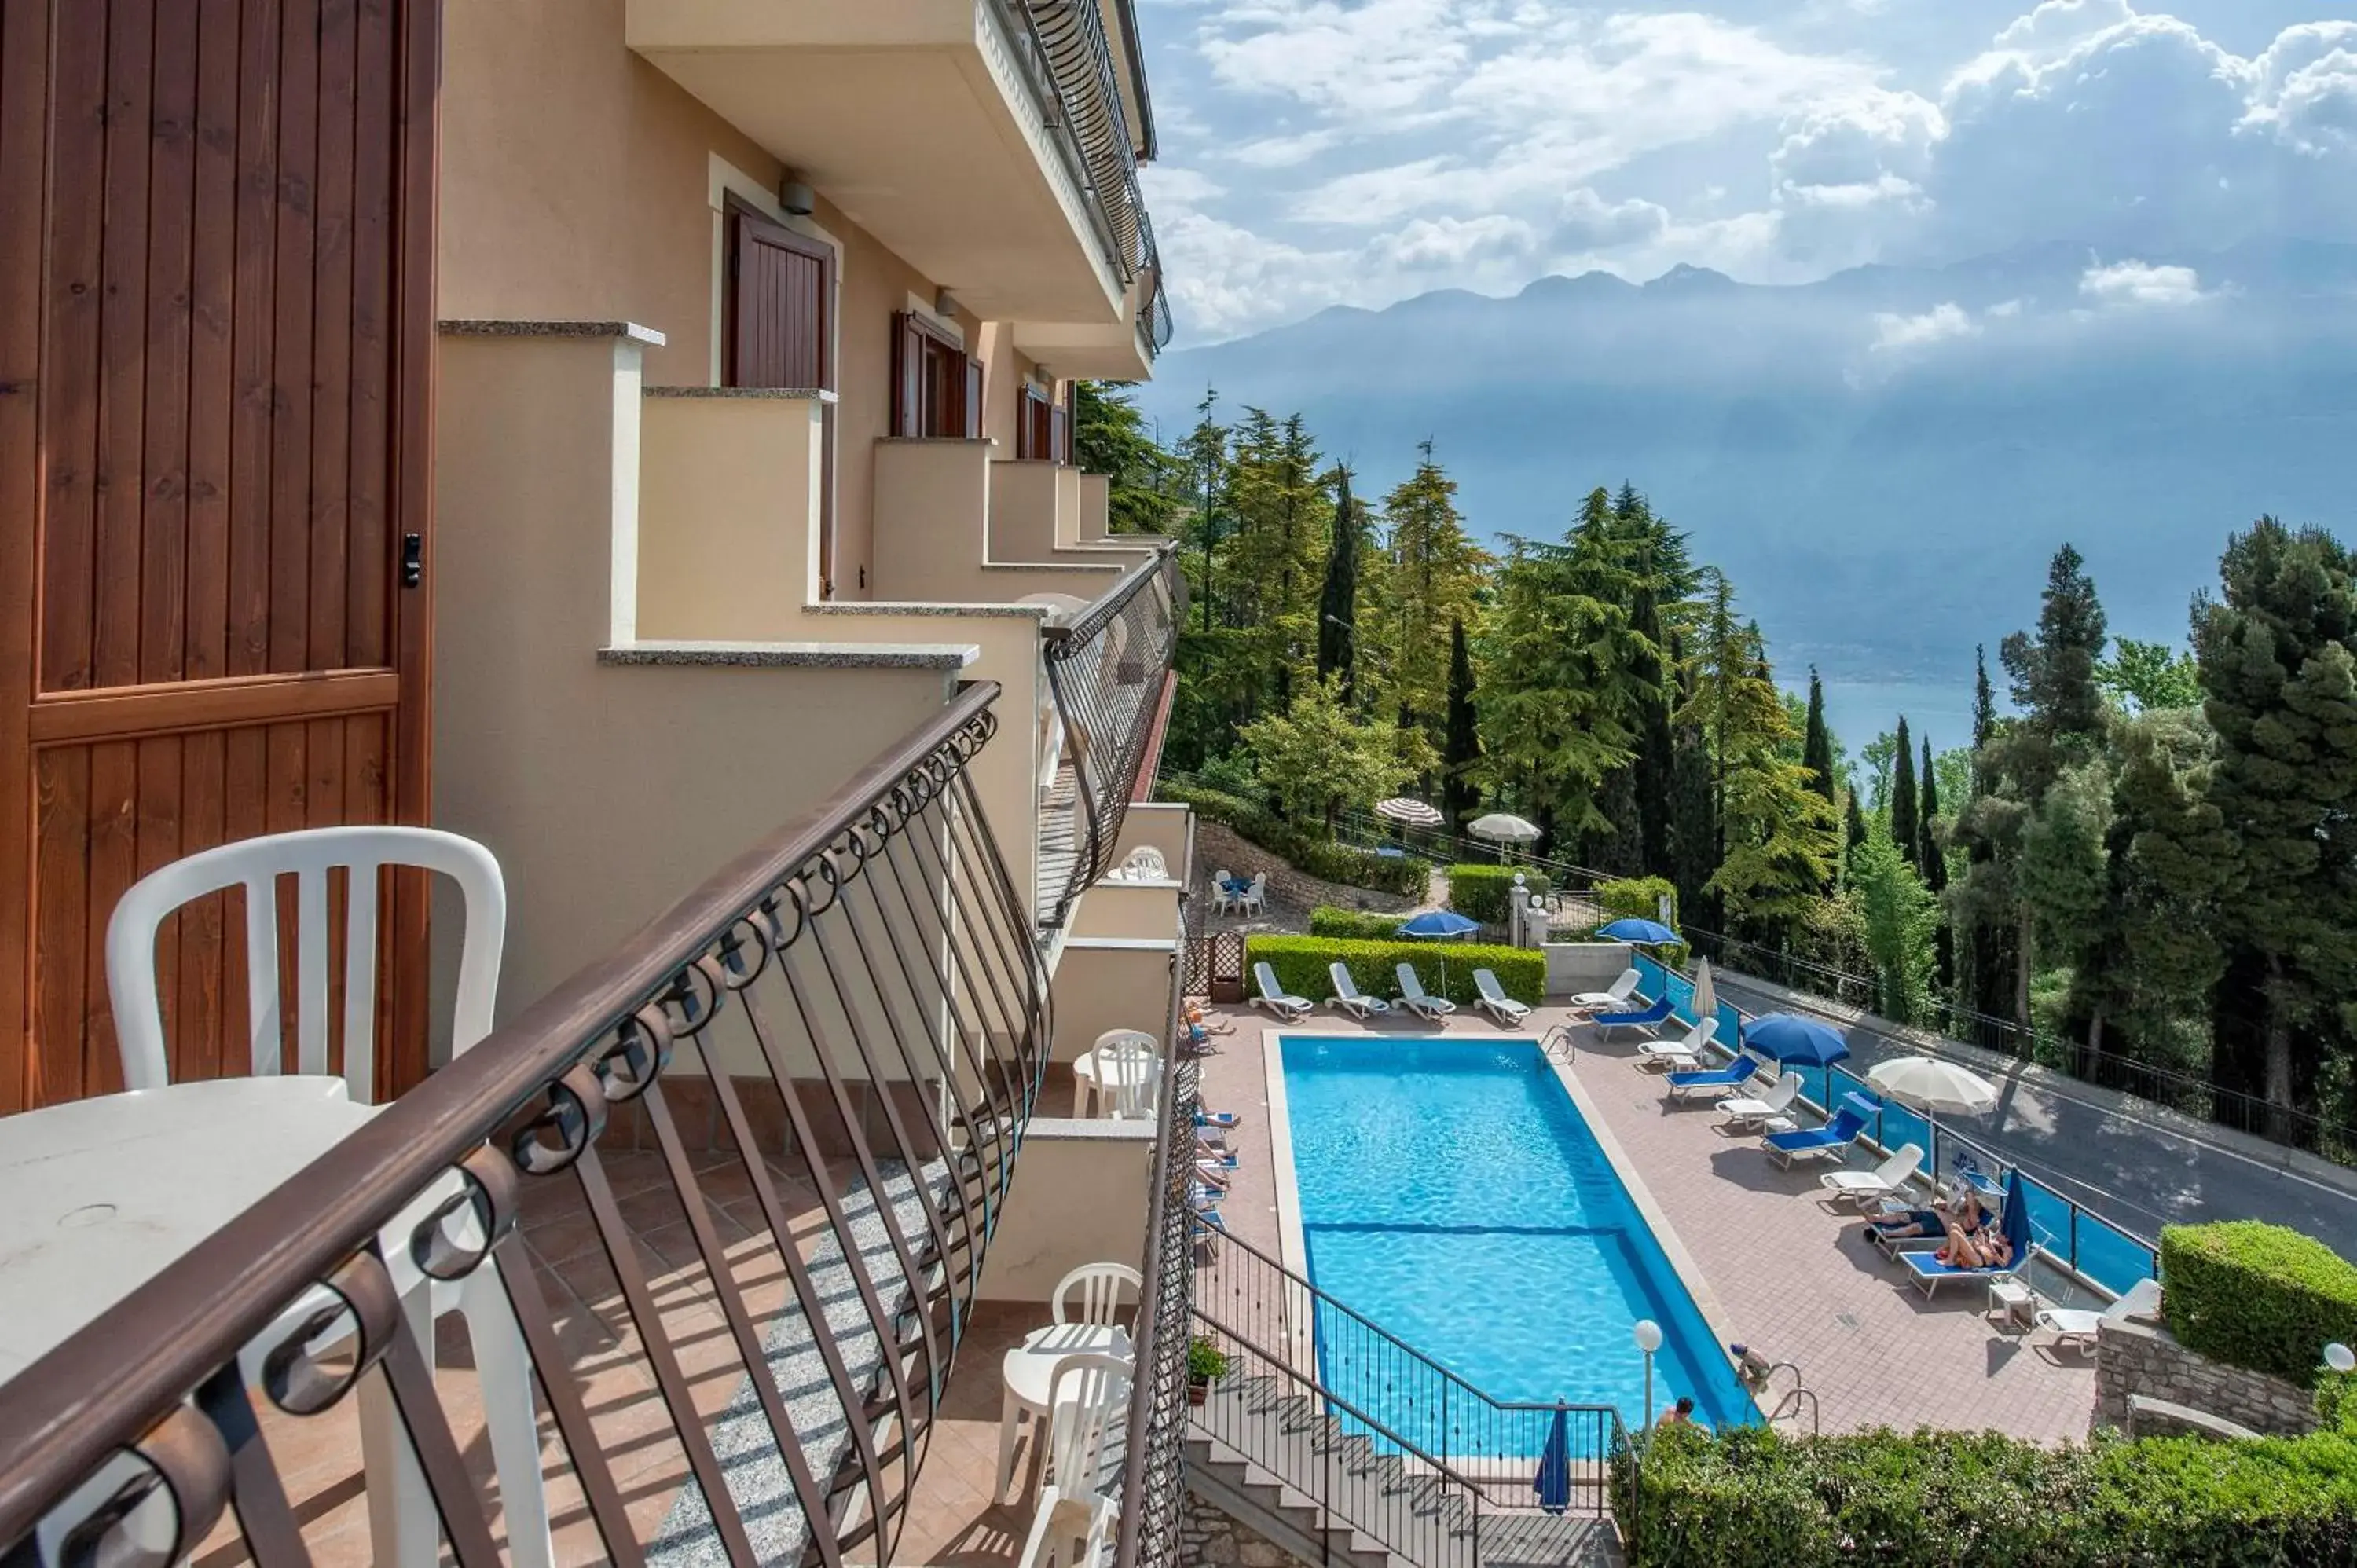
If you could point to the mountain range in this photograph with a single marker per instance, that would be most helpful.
(1882, 460)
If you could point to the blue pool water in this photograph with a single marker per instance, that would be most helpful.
(1452, 1192)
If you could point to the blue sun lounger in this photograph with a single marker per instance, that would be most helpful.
(1734, 1075)
(1830, 1139)
(1642, 1018)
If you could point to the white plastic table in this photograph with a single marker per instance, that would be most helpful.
(1030, 1368)
(1089, 1079)
(100, 1195)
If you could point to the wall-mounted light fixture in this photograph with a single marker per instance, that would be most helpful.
(797, 198)
(944, 304)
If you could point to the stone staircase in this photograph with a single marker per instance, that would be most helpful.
(1264, 1451)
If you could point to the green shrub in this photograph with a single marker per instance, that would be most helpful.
(1300, 964)
(1306, 850)
(2336, 1401)
(1485, 893)
(1754, 1498)
(1637, 897)
(1355, 925)
(2257, 1296)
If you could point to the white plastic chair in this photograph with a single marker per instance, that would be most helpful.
(1255, 897)
(1127, 1077)
(1146, 865)
(400, 1511)
(1099, 1288)
(1220, 898)
(1076, 1513)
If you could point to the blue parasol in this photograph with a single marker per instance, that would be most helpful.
(1645, 933)
(1795, 1041)
(1554, 1482)
(1439, 923)
(2015, 1220)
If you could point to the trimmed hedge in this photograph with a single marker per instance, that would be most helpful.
(1485, 893)
(1637, 897)
(1355, 925)
(2257, 1296)
(1300, 964)
(1751, 1497)
(1305, 851)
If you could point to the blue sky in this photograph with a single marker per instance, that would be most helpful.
(1325, 152)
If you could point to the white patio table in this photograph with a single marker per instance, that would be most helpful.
(1030, 1368)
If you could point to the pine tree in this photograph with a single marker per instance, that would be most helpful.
(1651, 687)
(1109, 438)
(1205, 452)
(1693, 822)
(2277, 647)
(1431, 579)
(1817, 742)
(1904, 825)
(1462, 754)
(1337, 602)
(1853, 825)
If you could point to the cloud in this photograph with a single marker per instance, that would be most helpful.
(1435, 245)
(2306, 89)
(1937, 325)
(2139, 284)
(1588, 222)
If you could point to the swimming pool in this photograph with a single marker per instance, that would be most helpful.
(1452, 1192)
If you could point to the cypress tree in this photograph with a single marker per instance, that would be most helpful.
(1904, 827)
(1817, 745)
(1337, 602)
(1693, 820)
(1463, 750)
(1855, 828)
(1929, 860)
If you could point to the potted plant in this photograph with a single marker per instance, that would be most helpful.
(1205, 1361)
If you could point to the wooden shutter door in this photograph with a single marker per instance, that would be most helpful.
(216, 332)
(972, 399)
(780, 330)
(908, 374)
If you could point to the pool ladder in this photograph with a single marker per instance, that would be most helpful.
(1559, 1044)
(1790, 1405)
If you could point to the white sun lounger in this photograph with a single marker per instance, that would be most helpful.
(1618, 995)
(1679, 1053)
(1349, 997)
(1884, 1180)
(1275, 998)
(1753, 1113)
(1415, 999)
(1494, 1001)
(2077, 1325)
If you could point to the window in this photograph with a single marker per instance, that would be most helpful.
(936, 387)
(1042, 430)
(782, 287)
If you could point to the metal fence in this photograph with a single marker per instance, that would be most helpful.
(1107, 671)
(857, 1000)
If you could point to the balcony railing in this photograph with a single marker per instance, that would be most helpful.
(853, 1016)
(1107, 671)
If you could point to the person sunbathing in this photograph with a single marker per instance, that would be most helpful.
(1967, 1250)
(1933, 1221)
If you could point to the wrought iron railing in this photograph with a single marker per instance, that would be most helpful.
(1153, 1499)
(1107, 671)
(1405, 1452)
(1067, 64)
(857, 1005)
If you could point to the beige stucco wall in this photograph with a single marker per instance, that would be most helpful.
(1111, 982)
(540, 751)
(1163, 826)
(1096, 500)
(1024, 501)
(1119, 908)
(729, 487)
(932, 497)
(1081, 1196)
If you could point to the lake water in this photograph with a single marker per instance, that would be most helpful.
(1942, 712)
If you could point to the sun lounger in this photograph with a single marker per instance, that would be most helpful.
(1808, 1143)
(1417, 999)
(1685, 1052)
(1618, 995)
(1349, 997)
(1734, 1075)
(1496, 1002)
(1292, 1009)
(1749, 1112)
(1929, 1273)
(1884, 1180)
(1644, 1017)
(2077, 1325)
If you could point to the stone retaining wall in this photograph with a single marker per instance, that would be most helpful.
(2132, 1358)
(1207, 1535)
(1219, 847)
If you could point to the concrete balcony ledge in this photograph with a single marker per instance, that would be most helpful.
(797, 655)
(785, 394)
(628, 330)
(927, 607)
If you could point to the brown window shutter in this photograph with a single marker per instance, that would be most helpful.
(1059, 444)
(972, 399)
(907, 375)
(781, 305)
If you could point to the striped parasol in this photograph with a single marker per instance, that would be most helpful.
(1414, 813)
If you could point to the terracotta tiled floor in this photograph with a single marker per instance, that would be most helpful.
(1792, 1277)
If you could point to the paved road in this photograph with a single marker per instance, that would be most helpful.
(2132, 1169)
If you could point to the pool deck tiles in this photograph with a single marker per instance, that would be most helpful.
(1780, 1268)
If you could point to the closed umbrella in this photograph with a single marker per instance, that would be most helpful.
(1930, 1085)
(1414, 813)
(1795, 1041)
(1705, 997)
(1553, 1480)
